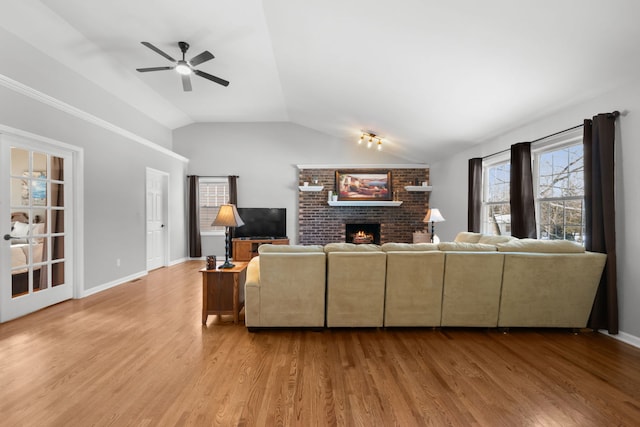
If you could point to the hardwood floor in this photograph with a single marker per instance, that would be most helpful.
(139, 355)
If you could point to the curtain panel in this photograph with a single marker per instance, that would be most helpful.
(233, 200)
(195, 244)
(474, 209)
(523, 212)
(600, 233)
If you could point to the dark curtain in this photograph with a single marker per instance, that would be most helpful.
(475, 195)
(195, 245)
(233, 200)
(600, 224)
(523, 217)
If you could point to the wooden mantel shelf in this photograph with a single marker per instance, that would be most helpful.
(363, 203)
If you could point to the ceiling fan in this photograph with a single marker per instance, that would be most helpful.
(184, 67)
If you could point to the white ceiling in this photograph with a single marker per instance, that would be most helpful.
(428, 75)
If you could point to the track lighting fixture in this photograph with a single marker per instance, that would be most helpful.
(372, 137)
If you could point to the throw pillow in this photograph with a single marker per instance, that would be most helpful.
(468, 237)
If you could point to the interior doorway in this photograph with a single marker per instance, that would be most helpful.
(157, 212)
(37, 211)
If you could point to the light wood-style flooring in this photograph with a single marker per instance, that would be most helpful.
(138, 355)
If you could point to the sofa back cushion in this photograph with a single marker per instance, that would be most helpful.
(269, 248)
(466, 247)
(351, 247)
(413, 247)
(542, 246)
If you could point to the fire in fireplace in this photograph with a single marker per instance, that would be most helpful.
(362, 233)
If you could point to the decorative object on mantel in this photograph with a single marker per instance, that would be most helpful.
(373, 185)
(371, 138)
(227, 217)
(433, 216)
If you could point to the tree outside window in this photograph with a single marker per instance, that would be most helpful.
(560, 194)
(496, 208)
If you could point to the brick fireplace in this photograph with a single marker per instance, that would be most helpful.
(319, 223)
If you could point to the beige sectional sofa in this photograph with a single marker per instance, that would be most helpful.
(475, 281)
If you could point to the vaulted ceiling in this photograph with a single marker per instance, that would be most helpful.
(429, 76)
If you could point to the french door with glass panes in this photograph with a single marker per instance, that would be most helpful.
(35, 220)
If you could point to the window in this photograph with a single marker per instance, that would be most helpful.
(560, 193)
(559, 188)
(496, 210)
(213, 193)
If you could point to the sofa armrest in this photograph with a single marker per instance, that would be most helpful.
(253, 273)
(252, 293)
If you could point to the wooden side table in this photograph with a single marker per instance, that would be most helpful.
(223, 291)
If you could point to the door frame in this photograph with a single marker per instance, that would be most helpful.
(40, 142)
(165, 213)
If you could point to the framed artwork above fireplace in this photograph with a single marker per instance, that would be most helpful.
(374, 185)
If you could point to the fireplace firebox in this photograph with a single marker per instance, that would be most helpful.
(362, 233)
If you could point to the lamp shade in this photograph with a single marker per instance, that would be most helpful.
(228, 217)
(433, 215)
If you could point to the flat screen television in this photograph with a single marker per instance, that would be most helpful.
(268, 223)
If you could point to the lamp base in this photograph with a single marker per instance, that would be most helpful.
(226, 264)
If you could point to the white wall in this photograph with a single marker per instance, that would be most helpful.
(450, 186)
(114, 168)
(265, 156)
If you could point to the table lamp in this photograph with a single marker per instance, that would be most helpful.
(227, 217)
(433, 216)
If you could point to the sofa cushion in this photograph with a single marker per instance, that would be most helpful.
(351, 247)
(395, 247)
(269, 248)
(468, 237)
(467, 247)
(543, 246)
(494, 240)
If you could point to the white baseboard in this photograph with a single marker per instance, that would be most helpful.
(624, 337)
(104, 287)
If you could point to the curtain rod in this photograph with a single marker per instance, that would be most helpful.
(537, 140)
(614, 114)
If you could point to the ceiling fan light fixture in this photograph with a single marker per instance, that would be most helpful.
(183, 69)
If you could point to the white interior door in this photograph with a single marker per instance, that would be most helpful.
(35, 217)
(156, 219)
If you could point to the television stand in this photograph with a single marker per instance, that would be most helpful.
(246, 248)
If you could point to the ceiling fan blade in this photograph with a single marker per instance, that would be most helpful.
(199, 59)
(158, 51)
(186, 83)
(144, 70)
(212, 78)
